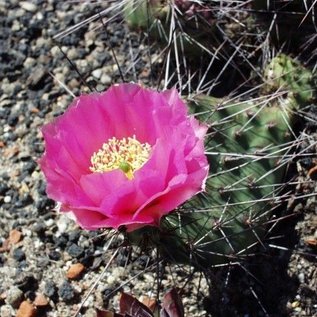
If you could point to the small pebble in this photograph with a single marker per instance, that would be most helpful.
(50, 289)
(49, 222)
(75, 251)
(74, 235)
(43, 261)
(14, 297)
(28, 6)
(301, 277)
(39, 228)
(105, 79)
(66, 292)
(26, 309)
(91, 312)
(7, 199)
(55, 255)
(18, 254)
(15, 236)
(36, 78)
(75, 271)
(40, 300)
(61, 225)
(60, 241)
(29, 62)
(6, 311)
(97, 73)
(4, 188)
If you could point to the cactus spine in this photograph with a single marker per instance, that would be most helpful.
(247, 146)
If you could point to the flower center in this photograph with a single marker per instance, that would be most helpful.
(127, 154)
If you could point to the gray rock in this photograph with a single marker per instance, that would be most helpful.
(66, 292)
(8, 88)
(14, 297)
(36, 77)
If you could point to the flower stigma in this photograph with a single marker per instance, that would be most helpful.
(127, 154)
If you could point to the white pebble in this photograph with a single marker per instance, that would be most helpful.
(16, 26)
(6, 311)
(61, 225)
(115, 276)
(49, 223)
(6, 128)
(72, 54)
(105, 79)
(97, 73)
(55, 50)
(29, 62)
(37, 244)
(111, 280)
(28, 6)
(39, 16)
(27, 232)
(7, 199)
(82, 63)
(301, 277)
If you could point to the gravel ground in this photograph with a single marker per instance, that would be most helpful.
(39, 247)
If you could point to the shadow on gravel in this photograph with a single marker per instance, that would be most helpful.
(261, 286)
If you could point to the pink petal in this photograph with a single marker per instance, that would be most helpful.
(176, 170)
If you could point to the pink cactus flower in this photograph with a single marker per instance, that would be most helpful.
(124, 157)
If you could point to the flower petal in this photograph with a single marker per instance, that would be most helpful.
(175, 171)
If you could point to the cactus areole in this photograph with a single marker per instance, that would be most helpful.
(124, 158)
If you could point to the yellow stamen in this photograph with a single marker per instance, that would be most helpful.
(127, 154)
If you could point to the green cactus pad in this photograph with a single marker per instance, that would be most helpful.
(286, 74)
(154, 17)
(141, 14)
(248, 144)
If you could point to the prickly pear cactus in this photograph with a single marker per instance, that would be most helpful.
(248, 146)
(286, 74)
(186, 22)
(141, 14)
